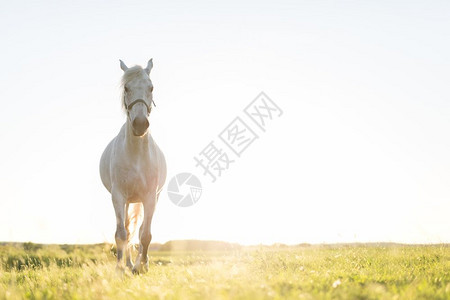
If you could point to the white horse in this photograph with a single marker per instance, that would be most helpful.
(133, 168)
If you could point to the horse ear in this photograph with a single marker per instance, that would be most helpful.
(149, 66)
(123, 66)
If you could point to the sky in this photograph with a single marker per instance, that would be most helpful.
(360, 153)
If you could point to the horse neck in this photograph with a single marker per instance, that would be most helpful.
(136, 144)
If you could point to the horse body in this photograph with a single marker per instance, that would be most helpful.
(133, 164)
(133, 168)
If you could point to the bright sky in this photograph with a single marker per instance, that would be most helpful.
(360, 154)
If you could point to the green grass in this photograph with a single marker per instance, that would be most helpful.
(305, 272)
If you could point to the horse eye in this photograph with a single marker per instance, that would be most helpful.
(126, 89)
(151, 89)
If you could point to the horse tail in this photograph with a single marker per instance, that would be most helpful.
(134, 216)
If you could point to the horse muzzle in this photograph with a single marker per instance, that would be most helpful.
(140, 126)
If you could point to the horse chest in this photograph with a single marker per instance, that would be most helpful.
(136, 180)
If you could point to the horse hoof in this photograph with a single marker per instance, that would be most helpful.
(120, 270)
(138, 269)
(130, 266)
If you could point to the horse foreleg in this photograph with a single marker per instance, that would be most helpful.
(121, 233)
(129, 264)
(145, 237)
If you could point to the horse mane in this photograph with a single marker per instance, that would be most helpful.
(129, 75)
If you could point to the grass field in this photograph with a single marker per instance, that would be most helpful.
(304, 272)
